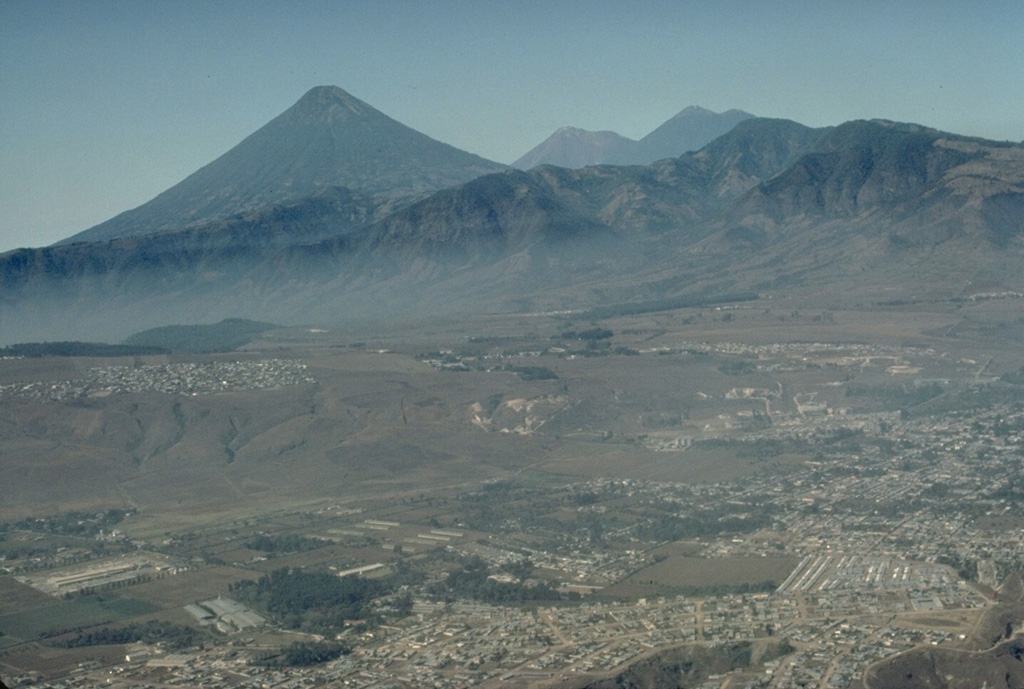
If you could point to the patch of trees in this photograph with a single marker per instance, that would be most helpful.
(529, 373)
(592, 334)
(15, 551)
(51, 633)
(319, 602)
(402, 605)
(499, 503)
(737, 368)
(966, 567)
(897, 302)
(667, 304)
(493, 402)
(597, 343)
(1011, 491)
(175, 636)
(1010, 330)
(284, 543)
(83, 524)
(472, 580)
(305, 654)
(1013, 377)
(585, 498)
(520, 569)
(604, 348)
(936, 491)
(228, 335)
(672, 528)
(691, 665)
(1000, 428)
(74, 348)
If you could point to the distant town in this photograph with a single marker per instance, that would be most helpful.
(170, 379)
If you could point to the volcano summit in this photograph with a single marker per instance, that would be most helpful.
(328, 138)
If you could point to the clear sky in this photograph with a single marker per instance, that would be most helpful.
(106, 103)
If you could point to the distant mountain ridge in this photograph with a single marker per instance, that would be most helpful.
(574, 148)
(688, 130)
(926, 187)
(770, 205)
(328, 138)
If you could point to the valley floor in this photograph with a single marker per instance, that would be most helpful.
(763, 502)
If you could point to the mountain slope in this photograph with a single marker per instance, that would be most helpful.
(883, 206)
(923, 186)
(866, 207)
(328, 138)
(496, 213)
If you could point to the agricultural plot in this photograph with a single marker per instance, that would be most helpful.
(49, 662)
(696, 574)
(61, 616)
(16, 596)
(188, 587)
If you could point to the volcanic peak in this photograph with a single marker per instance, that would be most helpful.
(321, 99)
(694, 110)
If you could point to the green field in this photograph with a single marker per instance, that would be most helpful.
(56, 617)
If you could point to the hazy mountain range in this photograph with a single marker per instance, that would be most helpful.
(333, 211)
(689, 130)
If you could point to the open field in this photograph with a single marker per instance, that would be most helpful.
(56, 662)
(16, 596)
(681, 573)
(188, 587)
(954, 620)
(59, 616)
(696, 466)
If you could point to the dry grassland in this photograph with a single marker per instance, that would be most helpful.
(189, 587)
(16, 596)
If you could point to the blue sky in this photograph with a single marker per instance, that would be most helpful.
(104, 104)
